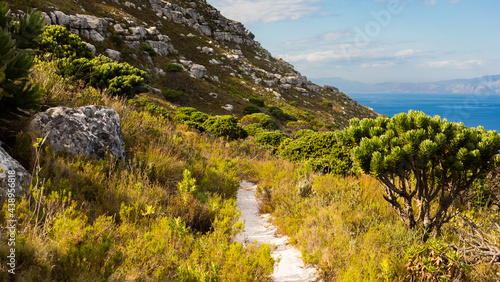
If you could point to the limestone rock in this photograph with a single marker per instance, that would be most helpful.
(228, 107)
(198, 71)
(89, 130)
(96, 36)
(331, 88)
(113, 54)
(22, 177)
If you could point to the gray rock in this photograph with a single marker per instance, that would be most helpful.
(139, 32)
(133, 44)
(113, 54)
(77, 22)
(198, 71)
(130, 5)
(62, 18)
(96, 23)
(161, 48)
(118, 28)
(89, 130)
(228, 107)
(92, 47)
(96, 36)
(331, 88)
(48, 20)
(11, 167)
(207, 50)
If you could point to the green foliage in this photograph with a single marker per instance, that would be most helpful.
(60, 43)
(424, 161)
(150, 107)
(324, 151)
(17, 95)
(171, 94)
(102, 72)
(270, 138)
(303, 132)
(279, 114)
(221, 177)
(327, 103)
(148, 49)
(251, 109)
(171, 67)
(299, 125)
(190, 114)
(257, 101)
(225, 126)
(294, 103)
(434, 261)
(254, 129)
(266, 121)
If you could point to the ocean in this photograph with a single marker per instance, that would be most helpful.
(471, 109)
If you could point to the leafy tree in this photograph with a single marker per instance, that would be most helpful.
(225, 126)
(17, 41)
(423, 163)
(251, 109)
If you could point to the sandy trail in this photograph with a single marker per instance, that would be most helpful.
(257, 228)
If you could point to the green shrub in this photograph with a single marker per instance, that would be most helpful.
(61, 43)
(273, 138)
(251, 109)
(17, 95)
(279, 114)
(325, 151)
(327, 103)
(148, 49)
(171, 67)
(254, 128)
(299, 125)
(257, 101)
(294, 103)
(190, 114)
(171, 94)
(102, 72)
(434, 261)
(225, 126)
(303, 132)
(266, 121)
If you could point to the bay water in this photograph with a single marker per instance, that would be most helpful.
(471, 109)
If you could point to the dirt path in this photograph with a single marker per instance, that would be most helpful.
(257, 228)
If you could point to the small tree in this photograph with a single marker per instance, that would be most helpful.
(18, 39)
(424, 161)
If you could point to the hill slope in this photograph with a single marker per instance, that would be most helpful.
(223, 66)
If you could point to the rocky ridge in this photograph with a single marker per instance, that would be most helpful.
(225, 54)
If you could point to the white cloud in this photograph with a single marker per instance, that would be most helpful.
(452, 64)
(250, 11)
(406, 53)
(378, 65)
(428, 3)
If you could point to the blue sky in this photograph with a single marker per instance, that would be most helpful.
(376, 40)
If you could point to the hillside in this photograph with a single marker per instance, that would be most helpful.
(482, 85)
(130, 166)
(223, 66)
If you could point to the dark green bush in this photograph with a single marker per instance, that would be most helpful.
(225, 126)
(266, 121)
(171, 67)
(251, 109)
(60, 43)
(279, 114)
(294, 103)
(190, 114)
(17, 95)
(171, 94)
(257, 101)
(272, 138)
(254, 128)
(102, 72)
(148, 49)
(327, 103)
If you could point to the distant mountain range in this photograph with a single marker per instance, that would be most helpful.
(483, 85)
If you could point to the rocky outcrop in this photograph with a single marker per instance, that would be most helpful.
(11, 168)
(90, 131)
(87, 26)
